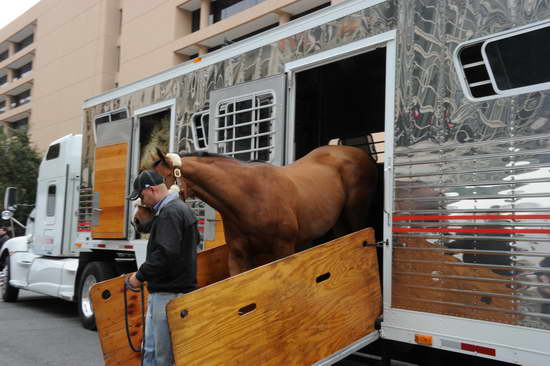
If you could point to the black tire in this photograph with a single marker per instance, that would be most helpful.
(9, 293)
(93, 272)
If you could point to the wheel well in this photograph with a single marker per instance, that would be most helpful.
(101, 256)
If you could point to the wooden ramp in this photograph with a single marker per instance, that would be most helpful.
(108, 302)
(294, 311)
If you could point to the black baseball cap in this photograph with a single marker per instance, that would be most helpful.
(146, 178)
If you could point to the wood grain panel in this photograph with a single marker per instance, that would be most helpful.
(296, 321)
(110, 183)
(109, 313)
(211, 267)
(435, 288)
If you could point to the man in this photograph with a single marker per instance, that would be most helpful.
(170, 265)
(4, 236)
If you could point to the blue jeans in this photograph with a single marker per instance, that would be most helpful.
(157, 346)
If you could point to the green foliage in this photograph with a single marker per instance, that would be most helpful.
(19, 162)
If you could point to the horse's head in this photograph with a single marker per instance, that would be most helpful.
(142, 217)
(168, 166)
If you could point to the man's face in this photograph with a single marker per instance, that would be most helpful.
(2, 232)
(147, 197)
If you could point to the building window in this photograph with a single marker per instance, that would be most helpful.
(22, 71)
(3, 80)
(21, 124)
(24, 43)
(220, 10)
(4, 55)
(50, 204)
(195, 20)
(2, 106)
(21, 98)
(223, 9)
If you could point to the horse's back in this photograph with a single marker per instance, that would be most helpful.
(347, 161)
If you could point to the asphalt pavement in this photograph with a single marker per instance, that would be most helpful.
(44, 331)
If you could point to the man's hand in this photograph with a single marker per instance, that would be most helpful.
(133, 281)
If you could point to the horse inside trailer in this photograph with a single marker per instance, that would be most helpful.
(344, 100)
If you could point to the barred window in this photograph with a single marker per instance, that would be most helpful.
(246, 126)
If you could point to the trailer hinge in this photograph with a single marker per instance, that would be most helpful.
(378, 244)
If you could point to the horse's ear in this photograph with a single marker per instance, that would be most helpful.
(161, 155)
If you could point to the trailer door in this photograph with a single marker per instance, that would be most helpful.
(111, 177)
(248, 120)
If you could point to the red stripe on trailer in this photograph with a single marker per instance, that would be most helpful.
(101, 246)
(478, 349)
(462, 230)
(128, 247)
(472, 217)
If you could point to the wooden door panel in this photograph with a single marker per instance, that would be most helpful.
(111, 168)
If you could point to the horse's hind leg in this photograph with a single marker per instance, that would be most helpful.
(239, 261)
(283, 248)
(356, 213)
(240, 258)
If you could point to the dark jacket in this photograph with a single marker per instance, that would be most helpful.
(171, 261)
(4, 238)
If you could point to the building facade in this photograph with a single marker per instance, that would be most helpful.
(61, 52)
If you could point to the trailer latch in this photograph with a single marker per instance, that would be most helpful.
(378, 244)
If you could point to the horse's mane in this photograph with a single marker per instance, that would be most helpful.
(206, 154)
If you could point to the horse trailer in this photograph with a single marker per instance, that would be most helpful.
(451, 96)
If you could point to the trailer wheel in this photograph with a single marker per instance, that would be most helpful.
(93, 273)
(9, 293)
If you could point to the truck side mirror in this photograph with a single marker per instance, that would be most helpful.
(10, 198)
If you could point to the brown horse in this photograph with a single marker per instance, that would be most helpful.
(268, 211)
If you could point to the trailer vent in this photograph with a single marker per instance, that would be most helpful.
(199, 129)
(505, 64)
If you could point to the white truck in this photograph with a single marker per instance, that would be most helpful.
(55, 257)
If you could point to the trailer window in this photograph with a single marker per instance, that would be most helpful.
(505, 64)
(109, 117)
(245, 126)
(520, 60)
(50, 204)
(200, 129)
(53, 152)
